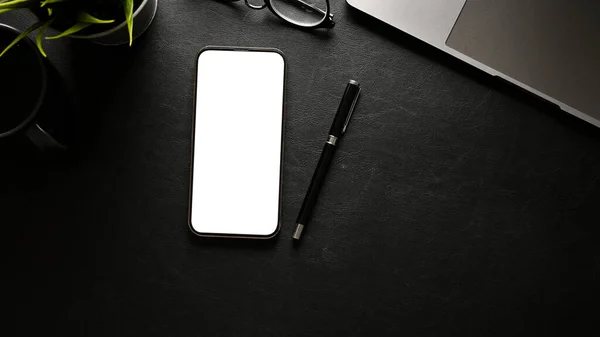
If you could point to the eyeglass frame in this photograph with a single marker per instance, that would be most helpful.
(326, 22)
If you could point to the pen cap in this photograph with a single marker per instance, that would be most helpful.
(344, 112)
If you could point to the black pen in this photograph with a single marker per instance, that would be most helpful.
(338, 128)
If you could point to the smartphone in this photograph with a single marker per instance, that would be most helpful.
(237, 143)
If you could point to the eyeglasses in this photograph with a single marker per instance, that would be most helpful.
(302, 13)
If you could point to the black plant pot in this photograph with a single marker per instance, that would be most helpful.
(32, 100)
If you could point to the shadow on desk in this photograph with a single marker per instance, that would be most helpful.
(405, 40)
(98, 82)
(237, 244)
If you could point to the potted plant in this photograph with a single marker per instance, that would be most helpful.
(108, 22)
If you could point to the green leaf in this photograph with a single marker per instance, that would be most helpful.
(86, 17)
(5, 10)
(22, 36)
(12, 4)
(76, 27)
(129, 18)
(40, 34)
(44, 3)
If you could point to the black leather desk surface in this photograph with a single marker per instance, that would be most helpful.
(454, 207)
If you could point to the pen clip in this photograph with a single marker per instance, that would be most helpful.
(351, 111)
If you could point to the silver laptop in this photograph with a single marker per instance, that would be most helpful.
(548, 47)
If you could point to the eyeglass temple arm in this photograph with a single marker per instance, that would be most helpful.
(306, 5)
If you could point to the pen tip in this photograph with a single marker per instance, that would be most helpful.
(298, 231)
(354, 82)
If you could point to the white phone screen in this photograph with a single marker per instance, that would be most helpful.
(237, 154)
